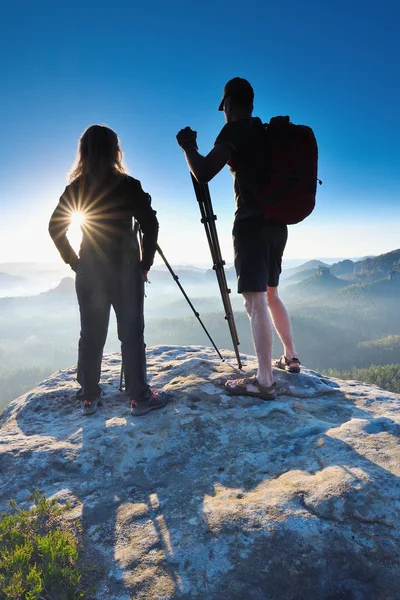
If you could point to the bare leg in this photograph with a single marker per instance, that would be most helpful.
(261, 328)
(281, 320)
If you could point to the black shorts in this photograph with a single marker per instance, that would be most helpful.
(258, 248)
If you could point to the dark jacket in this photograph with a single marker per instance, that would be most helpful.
(108, 210)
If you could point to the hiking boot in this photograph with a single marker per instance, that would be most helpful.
(156, 400)
(90, 406)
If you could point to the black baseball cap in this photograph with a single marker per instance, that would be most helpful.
(240, 91)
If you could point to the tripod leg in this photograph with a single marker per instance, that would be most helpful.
(208, 219)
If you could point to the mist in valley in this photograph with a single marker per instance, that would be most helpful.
(345, 318)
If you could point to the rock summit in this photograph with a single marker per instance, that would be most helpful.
(218, 497)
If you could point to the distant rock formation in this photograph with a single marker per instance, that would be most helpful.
(378, 267)
(310, 265)
(323, 271)
(217, 497)
(344, 267)
(65, 287)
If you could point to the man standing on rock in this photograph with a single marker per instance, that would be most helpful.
(258, 242)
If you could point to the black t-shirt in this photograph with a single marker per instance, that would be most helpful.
(248, 163)
(108, 211)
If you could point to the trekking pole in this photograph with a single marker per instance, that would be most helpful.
(121, 378)
(208, 219)
(176, 279)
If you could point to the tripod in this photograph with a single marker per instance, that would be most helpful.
(208, 219)
(176, 279)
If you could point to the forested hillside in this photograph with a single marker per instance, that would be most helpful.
(368, 269)
(339, 327)
(386, 377)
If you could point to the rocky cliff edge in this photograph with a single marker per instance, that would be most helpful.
(215, 497)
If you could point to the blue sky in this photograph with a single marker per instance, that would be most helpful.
(148, 70)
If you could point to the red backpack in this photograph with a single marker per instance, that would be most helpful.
(288, 197)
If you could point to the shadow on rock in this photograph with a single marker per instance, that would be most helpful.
(219, 497)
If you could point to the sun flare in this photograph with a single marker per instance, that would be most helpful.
(77, 219)
(74, 231)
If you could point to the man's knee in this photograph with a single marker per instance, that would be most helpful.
(247, 303)
(254, 302)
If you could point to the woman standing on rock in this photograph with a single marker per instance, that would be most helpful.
(109, 270)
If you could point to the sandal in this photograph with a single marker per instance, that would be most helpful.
(240, 389)
(291, 365)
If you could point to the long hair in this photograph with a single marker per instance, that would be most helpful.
(99, 156)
